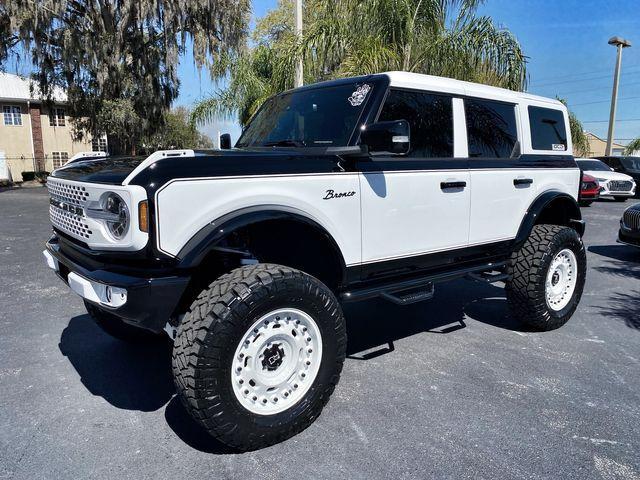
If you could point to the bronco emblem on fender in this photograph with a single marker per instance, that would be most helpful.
(331, 194)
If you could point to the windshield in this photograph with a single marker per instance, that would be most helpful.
(631, 163)
(318, 117)
(594, 165)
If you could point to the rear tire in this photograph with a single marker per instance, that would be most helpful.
(547, 277)
(620, 199)
(244, 361)
(117, 328)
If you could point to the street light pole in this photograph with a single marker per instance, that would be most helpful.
(299, 79)
(620, 43)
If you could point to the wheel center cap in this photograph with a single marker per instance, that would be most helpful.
(555, 278)
(272, 357)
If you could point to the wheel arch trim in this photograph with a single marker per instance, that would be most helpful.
(540, 204)
(194, 251)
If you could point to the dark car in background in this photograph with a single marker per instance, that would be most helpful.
(630, 226)
(625, 164)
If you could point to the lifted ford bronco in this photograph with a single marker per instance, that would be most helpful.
(376, 186)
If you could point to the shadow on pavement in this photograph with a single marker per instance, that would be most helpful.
(376, 324)
(620, 253)
(131, 377)
(138, 377)
(624, 262)
(190, 432)
(624, 307)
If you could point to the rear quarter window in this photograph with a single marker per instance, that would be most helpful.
(548, 130)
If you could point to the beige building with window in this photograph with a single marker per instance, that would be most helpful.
(33, 137)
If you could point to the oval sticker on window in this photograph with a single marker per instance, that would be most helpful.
(359, 95)
(558, 147)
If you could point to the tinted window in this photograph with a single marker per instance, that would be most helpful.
(491, 128)
(430, 119)
(316, 117)
(631, 163)
(592, 165)
(548, 131)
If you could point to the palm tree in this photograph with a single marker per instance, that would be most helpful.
(355, 37)
(633, 146)
(578, 135)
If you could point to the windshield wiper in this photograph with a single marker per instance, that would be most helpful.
(286, 143)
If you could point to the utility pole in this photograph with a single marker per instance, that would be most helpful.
(620, 43)
(299, 80)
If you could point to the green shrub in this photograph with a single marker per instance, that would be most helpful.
(28, 176)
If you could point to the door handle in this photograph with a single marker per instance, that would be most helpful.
(446, 185)
(522, 181)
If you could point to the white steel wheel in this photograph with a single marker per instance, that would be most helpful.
(561, 279)
(277, 361)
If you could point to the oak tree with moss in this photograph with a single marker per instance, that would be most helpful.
(123, 51)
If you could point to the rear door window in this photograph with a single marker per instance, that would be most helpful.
(548, 130)
(430, 118)
(491, 128)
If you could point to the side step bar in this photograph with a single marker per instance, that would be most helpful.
(416, 289)
(406, 297)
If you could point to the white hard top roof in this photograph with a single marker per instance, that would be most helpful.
(450, 85)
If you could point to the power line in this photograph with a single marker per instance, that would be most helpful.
(571, 75)
(606, 121)
(595, 89)
(582, 79)
(602, 101)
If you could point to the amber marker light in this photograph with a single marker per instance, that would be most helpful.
(143, 216)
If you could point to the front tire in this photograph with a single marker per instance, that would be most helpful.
(258, 355)
(546, 277)
(620, 199)
(585, 203)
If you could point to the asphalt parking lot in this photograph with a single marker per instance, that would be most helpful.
(451, 388)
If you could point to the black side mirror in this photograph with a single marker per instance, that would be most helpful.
(225, 141)
(384, 138)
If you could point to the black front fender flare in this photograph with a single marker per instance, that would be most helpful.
(196, 249)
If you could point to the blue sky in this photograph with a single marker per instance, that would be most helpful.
(566, 42)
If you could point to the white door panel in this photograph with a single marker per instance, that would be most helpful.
(185, 207)
(408, 213)
(498, 206)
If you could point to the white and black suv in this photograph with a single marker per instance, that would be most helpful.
(375, 186)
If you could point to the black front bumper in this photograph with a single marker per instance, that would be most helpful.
(629, 237)
(150, 301)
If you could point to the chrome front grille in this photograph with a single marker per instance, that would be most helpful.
(620, 185)
(65, 198)
(631, 219)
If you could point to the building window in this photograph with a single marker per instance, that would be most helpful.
(59, 159)
(56, 117)
(99, 144)
(12, 115)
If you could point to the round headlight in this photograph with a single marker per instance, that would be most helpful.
(118, 221)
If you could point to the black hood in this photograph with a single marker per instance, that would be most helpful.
(205, 163)
(109, 170)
